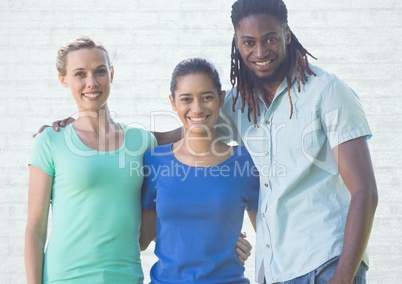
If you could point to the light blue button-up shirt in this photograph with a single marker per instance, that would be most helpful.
(303, 200)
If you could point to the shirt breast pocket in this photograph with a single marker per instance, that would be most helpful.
(298, 132)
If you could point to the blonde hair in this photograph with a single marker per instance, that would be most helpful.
(77, 44)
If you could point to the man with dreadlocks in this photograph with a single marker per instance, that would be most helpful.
(306, 132)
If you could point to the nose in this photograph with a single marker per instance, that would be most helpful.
(261, 50)
(197, 107)
(92, 81)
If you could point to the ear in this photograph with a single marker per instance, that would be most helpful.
(172, 102)
(288, 34)
(62, 80)
(235, 41)
(111, 74)
(222, 99)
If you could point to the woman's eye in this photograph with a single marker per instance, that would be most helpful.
(80, 74)
(101, 71)
(208, 98)
(185, 100)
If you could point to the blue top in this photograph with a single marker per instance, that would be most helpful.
(199, 215)
(96, 212)
(303, 199)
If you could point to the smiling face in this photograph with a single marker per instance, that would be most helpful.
(88, 77)
(197, 103)
(262, 40)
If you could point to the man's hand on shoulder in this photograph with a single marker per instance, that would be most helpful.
(56, 125)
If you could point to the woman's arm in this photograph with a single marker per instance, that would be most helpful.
(253, 216)
(148, 228)
(39, 192)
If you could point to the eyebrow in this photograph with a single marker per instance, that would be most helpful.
(267, 34)
(80, 68)
(203, 93)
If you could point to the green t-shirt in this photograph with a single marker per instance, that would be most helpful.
(96, 208)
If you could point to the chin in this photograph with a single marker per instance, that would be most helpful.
(265, 77)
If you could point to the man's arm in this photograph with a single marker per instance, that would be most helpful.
(163, 138)
(355, 167)
(172, 136)
(56, 125)
(243, 247)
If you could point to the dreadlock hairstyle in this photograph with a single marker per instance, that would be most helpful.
(248, 84)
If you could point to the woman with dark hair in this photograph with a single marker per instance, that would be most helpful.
(196, 190)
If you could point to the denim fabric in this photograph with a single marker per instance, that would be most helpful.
(324, 273)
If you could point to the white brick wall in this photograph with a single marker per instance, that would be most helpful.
(360, 40)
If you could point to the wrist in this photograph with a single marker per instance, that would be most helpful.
(339, 278)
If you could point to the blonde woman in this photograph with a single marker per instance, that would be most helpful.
(83, 172)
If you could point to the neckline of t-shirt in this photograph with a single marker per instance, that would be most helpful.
(232, 156)
(74, 132)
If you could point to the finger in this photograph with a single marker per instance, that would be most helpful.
(244, 243)
(243, 254)
(40, 130)
(243, 235)
(66, 121)
(242, 261)
(55, 125)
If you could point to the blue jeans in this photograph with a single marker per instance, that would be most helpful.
(324, 273)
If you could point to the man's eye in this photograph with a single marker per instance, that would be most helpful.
(248, 43)
(272, 40)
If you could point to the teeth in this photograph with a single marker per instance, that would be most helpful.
(92, 96)
(263, 63)
(197, 119)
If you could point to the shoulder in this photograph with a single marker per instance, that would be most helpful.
(135, 130)
(138, 134)
(242, 153)
(49, 135)
(324, 85)
(159, 152)
(229, 113)
(323, 79)
(230, 94)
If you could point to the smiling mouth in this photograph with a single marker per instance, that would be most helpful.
(198, 119)
(263, 63)
(91, 95)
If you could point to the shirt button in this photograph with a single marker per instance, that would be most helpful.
(267, 122)
(267, 245)
(266, 153)
(266, 184)
(263, 215)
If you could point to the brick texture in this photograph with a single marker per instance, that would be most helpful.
(359, 40)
